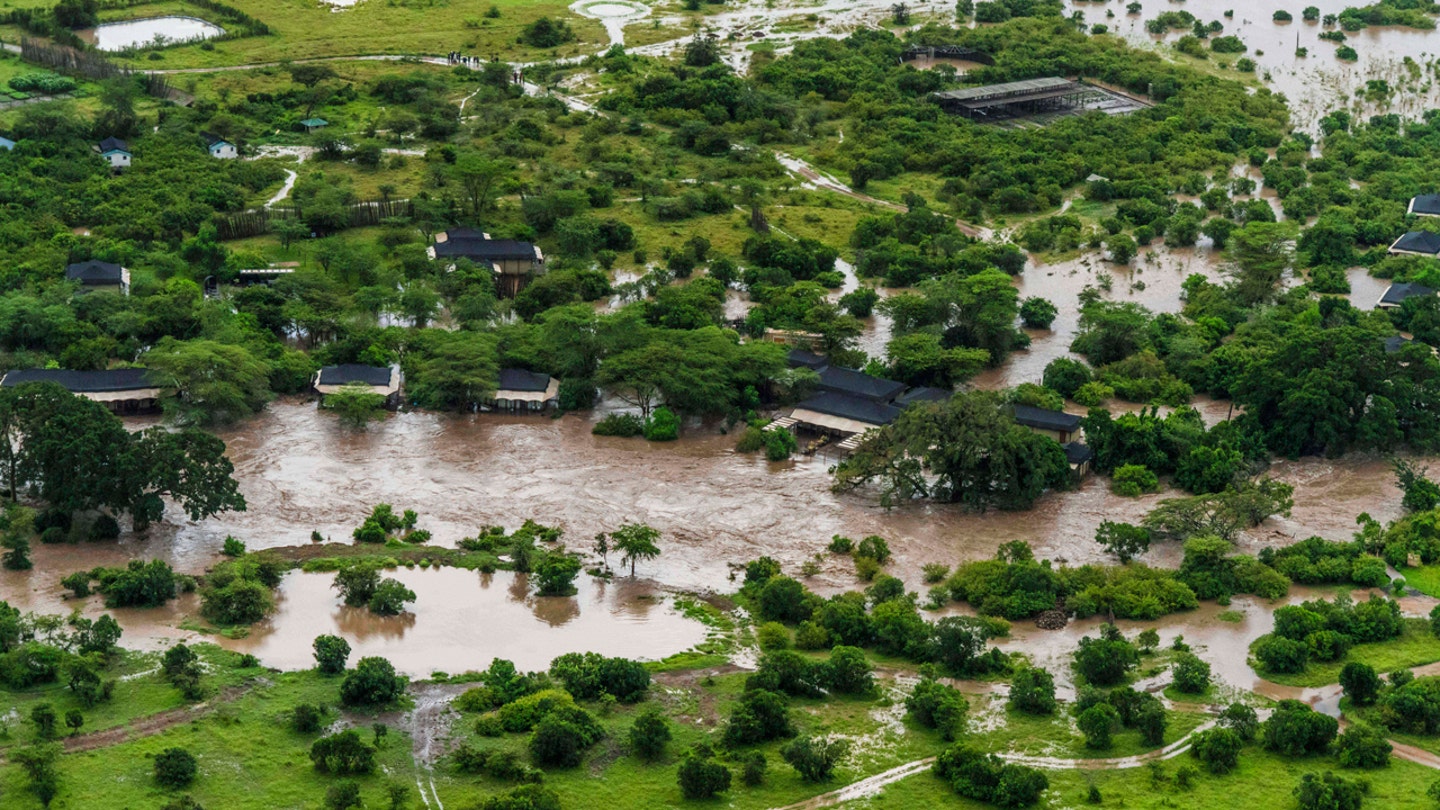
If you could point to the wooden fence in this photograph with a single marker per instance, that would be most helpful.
(258, 221)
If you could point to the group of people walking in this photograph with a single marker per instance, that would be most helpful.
(457, 58)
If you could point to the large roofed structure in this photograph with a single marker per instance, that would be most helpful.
(1031, 96)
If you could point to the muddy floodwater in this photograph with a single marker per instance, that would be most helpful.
(1313, 83)
(459, 621)
(302, 472)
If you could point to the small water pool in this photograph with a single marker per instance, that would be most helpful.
(118, 36)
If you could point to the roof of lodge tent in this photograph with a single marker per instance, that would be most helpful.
(800, 358)
(83, 382)
(924, 393)
(1418, 242)
(849, 407)
(489, 249)
(95, 272)
(1009, 92)
(1045, 419)
(1396, 293)
(518, 379)
(1425, 204)
(1077, 453)
(354, 373)
(857, 383)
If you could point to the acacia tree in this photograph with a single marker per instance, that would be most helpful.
(214, 382)
(635, 541)
(1124, 540)
(479, 175)
(1258, 253)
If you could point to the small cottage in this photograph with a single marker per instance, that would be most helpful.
(521, 390)
(1396, 294)
(378, 379)
(1079, 457)
(122, 390)
(1425, 205)
(219, 147)
(115, 152)
(7, 144)
(312, 124)
(1416, 243)
(513, 262)
(98, 276)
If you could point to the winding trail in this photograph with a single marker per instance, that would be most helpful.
(153, 724)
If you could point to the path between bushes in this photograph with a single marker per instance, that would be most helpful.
(871, 785)
(153, 724)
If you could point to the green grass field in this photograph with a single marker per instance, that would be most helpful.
(1262, 780)
(306, 29)
(1425, 579)
(1416, 646)
(248, 756)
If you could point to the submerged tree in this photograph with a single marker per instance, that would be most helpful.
(355, 404)
(635, 541)
(966, 450)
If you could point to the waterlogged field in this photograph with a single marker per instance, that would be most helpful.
(309, 29)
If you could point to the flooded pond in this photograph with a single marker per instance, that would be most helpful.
(460, 620)
(118, 36)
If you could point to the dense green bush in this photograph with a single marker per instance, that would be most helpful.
(985, 777)
(1294, 729)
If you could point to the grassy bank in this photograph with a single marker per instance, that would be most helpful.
(1415, 646)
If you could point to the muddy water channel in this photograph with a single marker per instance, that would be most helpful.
(302, 472)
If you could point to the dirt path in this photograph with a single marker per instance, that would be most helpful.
(153, 724)
(825, 182)
(871, 785)
(428, 725)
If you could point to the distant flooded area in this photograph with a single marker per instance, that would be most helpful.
(1315, 81)
(118, 36)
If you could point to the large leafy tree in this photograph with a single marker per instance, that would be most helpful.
(1259, 253)
(967, 450)
(700, 371)
(1332, 390)
(452, 370)
(214, 382)
(79, 456)
(69, 447)
(188, 466)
